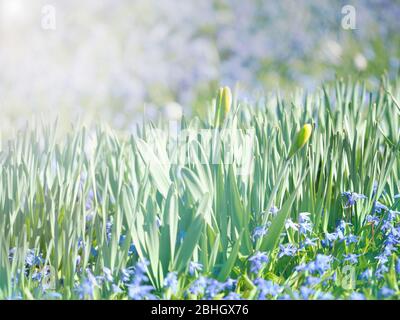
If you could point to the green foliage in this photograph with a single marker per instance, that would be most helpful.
(198, 200)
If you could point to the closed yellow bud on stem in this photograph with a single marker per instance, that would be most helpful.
(301, 139)
(226, 101)
(223, 105)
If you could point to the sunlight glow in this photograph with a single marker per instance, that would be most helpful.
(13, 9)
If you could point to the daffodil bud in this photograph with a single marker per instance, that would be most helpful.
(301, 139)
(226, 102)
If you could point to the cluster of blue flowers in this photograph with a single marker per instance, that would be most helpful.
(316, 262)
(317, 273)
(209, 288)
(257, 262)
(340, 234)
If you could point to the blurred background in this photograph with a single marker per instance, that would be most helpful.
(112, 60)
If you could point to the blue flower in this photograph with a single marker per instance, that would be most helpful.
(381, 270)
(305, 227)
(37, 276)
(321, 264)
(388, 249)
(257, 261)
(141, 266)
(351, 238)
(341, 229)
(386, 292)
(141, 271)
(32, 259)
(382, 258)
(171, 282)
(366, 275)
(372, 220)
(352, 258)
(324, 296)
(108, 274)
(259, 232)
(137, 290)
(140, 292)
(391, 240)
(331, 236)
(86, 289)
(309, 242)
(289, 224)
(342, 225)
(357, 296)
(274, 210)
(213, 288)
(91, 277)
(379, 207)
(198, 286)
(229, 284)
(232, 296)
(306, 292)
(195, 266)
(387, 225)
(304, 216)
(126, 274)
(391, 216)
(352, 198)
(329, 239)
(398, 266)
(209, 287)
(302, 267)
(311, 281)
(267, 288)
(294, 295)
(287, 250)
(116, 289)
(305, 222)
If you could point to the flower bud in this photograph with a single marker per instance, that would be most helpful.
(226, 102)
(223, 105)
(301, 139)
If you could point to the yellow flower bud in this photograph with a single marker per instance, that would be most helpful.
(226, 101)
(301, 139)
(223, 105)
